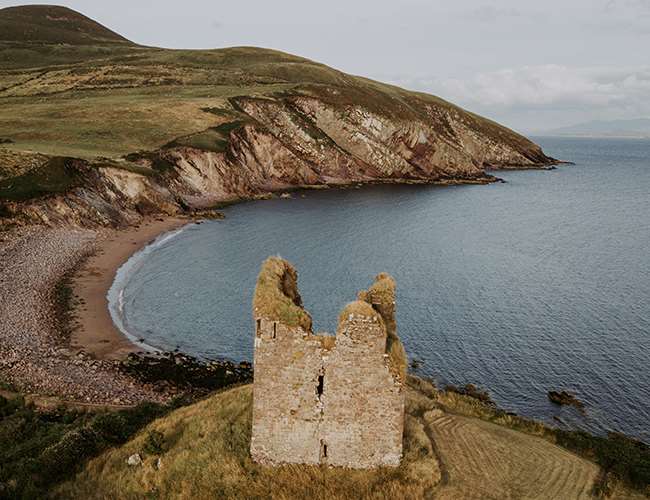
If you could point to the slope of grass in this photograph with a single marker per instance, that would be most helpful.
(203, 453)
(56, 176)
(213, 139)
(53, 24)
(109, 97)
(624, 462)
(38, 450)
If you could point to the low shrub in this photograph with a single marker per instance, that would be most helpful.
(154, 443)
(38, 450)
(74, 448)
(622, 458)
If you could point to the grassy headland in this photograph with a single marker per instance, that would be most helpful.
(70, 87)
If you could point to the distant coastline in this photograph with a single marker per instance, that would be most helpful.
(591, 136)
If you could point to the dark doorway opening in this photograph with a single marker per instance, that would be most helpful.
(321, 385)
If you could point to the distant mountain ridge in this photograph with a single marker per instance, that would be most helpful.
(637, 128)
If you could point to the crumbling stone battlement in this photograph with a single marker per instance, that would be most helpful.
(321, 399)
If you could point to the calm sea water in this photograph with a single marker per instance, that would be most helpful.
(540, 283)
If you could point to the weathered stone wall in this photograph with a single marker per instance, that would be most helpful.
(287, 412)
(321, 399)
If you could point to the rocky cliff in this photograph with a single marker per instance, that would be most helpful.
(125, 128)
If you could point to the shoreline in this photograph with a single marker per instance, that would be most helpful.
(77, 360)
(94, 330)
(36, 354)
(92, 327)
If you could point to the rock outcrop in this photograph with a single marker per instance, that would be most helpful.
(274, 122)
(284, 143)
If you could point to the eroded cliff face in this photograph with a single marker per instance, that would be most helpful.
(288, 141)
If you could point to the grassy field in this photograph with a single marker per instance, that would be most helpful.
(108, 97)
(118, 99)
(39, 449)
(203, 452)
(71, 88)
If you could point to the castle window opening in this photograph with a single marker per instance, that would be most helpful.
(321, 385)
(275, 329)
(259, 326)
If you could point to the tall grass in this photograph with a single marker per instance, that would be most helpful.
(204, 453)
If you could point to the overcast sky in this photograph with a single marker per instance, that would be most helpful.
(531, 65)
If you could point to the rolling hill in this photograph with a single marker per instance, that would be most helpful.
(53, 24)
(143, 129)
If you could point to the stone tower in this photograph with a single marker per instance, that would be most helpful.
(320, 399)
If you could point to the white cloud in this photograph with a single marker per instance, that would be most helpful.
(546, 86)
(546, 95)
(490, 13)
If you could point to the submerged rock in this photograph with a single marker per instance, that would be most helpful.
(564, 398)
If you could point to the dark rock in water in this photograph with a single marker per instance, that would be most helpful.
(184, 372)
(565, 398)
(415, 364)
(473, 392)
(4, 140)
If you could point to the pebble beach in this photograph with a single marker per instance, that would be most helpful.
(36, 353)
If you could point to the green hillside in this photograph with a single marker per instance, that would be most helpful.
(70, 87)
(201, 451)
(53, 24)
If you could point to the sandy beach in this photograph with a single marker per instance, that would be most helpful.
(36, 355)
(94, 329)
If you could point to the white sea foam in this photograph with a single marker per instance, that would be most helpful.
(115, 293)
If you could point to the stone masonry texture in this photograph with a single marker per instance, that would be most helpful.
(320, 399)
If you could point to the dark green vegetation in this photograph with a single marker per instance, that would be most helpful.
(38, 450)
(58, 175)
(213, 139)
(621, 458)
(186, 372)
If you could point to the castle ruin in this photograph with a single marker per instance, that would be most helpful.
(320, 399)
